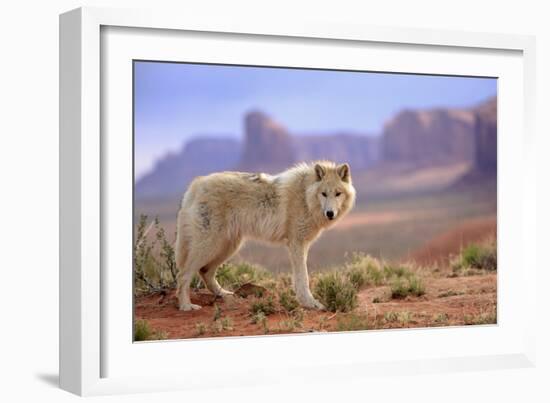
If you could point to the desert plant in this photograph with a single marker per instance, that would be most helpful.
(260, 318)
(391, 316)
(143, 331)
(403, 317)
(364, 270)
(144, 261)
(234, 275)
(441, 318)
(200, 328)
(475, 257)
(287, 300)
(293, 322)
(336, 292)
(263, 305)
(217, 312)
(154, 258)
(404, 286)
(167, 262)
(227, 323)
(482, 318)
(351, 322)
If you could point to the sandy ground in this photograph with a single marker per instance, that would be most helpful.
(448, 301)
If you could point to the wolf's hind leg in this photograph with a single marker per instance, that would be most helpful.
(208, 272)
(196, 259)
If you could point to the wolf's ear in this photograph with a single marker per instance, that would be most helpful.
(344, 172)
(319, 171)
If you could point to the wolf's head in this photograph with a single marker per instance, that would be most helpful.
(332, 191)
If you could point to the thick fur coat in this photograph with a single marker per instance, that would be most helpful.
(219, 211)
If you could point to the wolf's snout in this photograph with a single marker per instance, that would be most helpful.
(330, 214)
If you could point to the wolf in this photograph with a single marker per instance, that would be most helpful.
(220, 211)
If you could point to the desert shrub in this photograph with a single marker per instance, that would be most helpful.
(363, 270)
(200, 328)
(154, 258)
(263, 305)
(227, 323)
(351, 322)
(336, 291)
(234, 275)
(260, 318)
(287, 300)
(391, 272)
(441, 318)
(482, 318)
(404, 286)
(474, 257)
(482, 257)
(143, 331)
(222, 324)
(402, 317)
(217, 312)
(293, 322)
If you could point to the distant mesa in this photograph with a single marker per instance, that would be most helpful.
(486, 137)
(413, 138)
(199, 156)
(267, 145)
(433, 137)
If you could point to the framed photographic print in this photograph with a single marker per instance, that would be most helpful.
(256, 193)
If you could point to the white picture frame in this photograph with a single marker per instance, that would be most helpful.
(92, 345)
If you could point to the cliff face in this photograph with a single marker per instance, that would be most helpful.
(430, 137)
(267, 145)
(441, 136)
(360, 151)
(486, 137)
(201, 156)
(416, 139)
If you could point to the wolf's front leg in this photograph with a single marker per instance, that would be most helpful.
(300, 278)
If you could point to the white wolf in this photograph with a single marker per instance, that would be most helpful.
(221, 210)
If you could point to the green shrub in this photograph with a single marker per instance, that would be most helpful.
(336, 292)
(143, 332)
(234, 275)
(482, 257)
(364, 270)
(391, 272)
(260, 318)
(263, 305)
(475, 257)
(403, 286)
(287, 300)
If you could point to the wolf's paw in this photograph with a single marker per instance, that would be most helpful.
(189, 307)
(224, 293)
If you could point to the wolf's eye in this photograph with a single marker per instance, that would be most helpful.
(324, 194)
(338, 194)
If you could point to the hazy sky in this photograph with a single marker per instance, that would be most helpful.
(175, 102)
